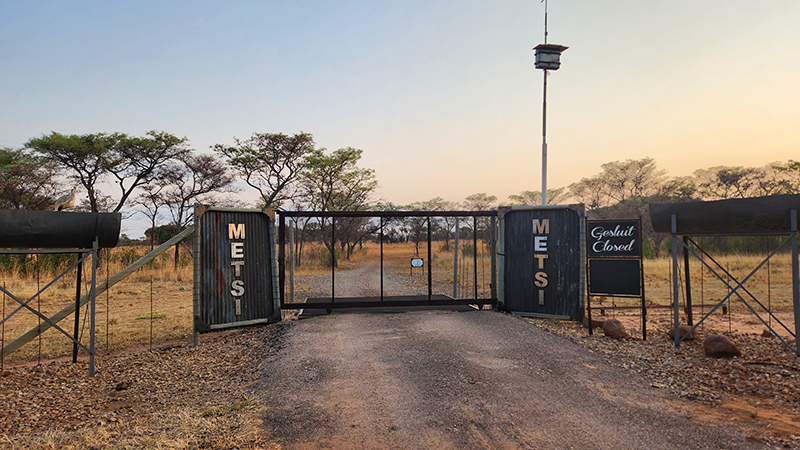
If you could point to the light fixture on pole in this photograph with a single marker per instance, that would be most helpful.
(547, 58)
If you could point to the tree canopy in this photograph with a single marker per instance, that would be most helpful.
(270, 163)
(129, 161)
(26, 181)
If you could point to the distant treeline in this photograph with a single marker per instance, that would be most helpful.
(159, 176)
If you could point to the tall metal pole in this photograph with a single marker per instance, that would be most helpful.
(544, 138)
(544, 121)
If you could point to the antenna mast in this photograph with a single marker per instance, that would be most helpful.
(545, 21)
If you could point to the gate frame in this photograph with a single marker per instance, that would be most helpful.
(391, 301)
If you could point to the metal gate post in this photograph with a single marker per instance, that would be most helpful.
(795, 282)
(281, 258)
(93, 291)
(455, 262)
(688, 278)
(675, 286)
(475, 254)
(493, 257)
(196, 285)
(333, 260)
(292, 231)
(430, 275)
(77, 310)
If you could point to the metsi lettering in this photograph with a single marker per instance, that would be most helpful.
(541, 228)
(236, 231)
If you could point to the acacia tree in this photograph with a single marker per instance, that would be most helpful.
(789, 176)
(135, 161)
(334, 182)
(270, 163)
(417, 227)
(479, 202)
(722, 182)
(533, 198)
(618, 182)
(82, 157)
(194, 179)
(590, 192)
(89, 158)
(26, 181)
(151, 200)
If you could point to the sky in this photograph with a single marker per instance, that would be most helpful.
(441, 96)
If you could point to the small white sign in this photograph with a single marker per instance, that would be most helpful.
(417, 262)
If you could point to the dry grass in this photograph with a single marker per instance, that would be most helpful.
(156, 289)
(771, 284)
(166, 293)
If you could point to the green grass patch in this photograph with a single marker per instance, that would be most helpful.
(153, 316)
(225, 410)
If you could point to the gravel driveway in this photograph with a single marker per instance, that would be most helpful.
(476, 379)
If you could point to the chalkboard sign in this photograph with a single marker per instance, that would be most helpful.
(621, 277)
(614, 238)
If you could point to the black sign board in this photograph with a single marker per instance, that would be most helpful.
(613, 239)
(620, 277)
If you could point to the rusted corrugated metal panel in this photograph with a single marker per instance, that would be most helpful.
(236, 268)
(542, 261)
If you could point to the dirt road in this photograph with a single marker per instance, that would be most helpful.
(461, 380)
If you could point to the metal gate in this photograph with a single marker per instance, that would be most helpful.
(380, 228)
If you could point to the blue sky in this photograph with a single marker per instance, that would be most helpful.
(442, 96)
